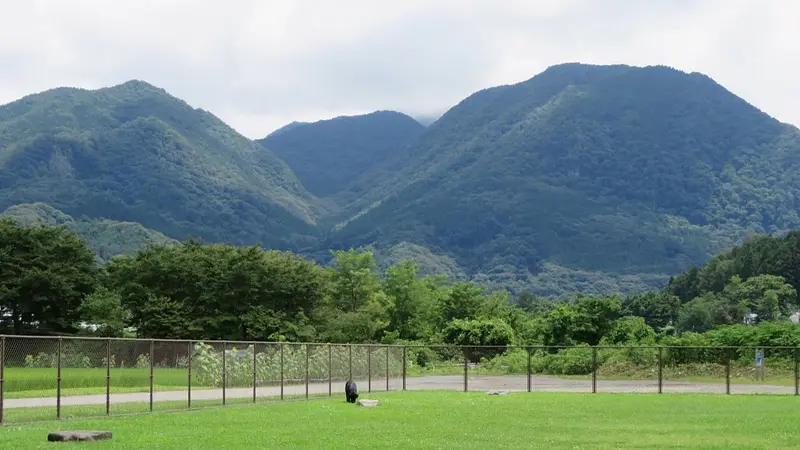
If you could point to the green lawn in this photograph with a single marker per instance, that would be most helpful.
(20, 382)
(409, 420)
(17, 416)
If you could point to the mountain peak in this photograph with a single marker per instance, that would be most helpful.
(137, 88)
(329, 156)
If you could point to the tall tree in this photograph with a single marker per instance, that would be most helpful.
(658, 309)
(218, 292)
(357, 310)
(769, 296)
(465, 301)
(354, 279)
(410, 302)
(45, 274)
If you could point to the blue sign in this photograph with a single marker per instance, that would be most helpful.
(759, 358)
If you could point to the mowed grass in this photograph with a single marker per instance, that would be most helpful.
(38, 382)
(433, 420)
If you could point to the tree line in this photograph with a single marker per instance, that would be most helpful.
(51, 283)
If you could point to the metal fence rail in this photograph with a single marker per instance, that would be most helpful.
(46, 378)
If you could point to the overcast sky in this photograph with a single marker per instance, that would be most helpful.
(259, 64)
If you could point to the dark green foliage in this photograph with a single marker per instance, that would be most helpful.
(758, 255)
(484, 332)
(699, 316)
(533, 304)
(356, 309)
(585, 321)
(133, 153)
(217, 292)
(104, 309)
(411, 301)
(45, 274)
(465, 300)
(658, 309)
(342, 157)
(630, 330)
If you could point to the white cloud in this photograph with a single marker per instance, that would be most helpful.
(259, 64)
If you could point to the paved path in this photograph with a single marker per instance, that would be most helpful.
(439, 382)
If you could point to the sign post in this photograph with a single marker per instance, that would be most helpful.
(760, 364)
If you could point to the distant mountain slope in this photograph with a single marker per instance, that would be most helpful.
(608, 169)
(106, 238)
(341, 158)
(134, 153)
(428, 262)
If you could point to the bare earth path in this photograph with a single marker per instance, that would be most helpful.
(439, 382)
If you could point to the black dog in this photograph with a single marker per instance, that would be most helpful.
(351, 391)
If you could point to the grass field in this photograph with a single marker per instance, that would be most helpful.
(429, 420)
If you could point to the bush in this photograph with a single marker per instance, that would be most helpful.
(569, 361)
(514, 361)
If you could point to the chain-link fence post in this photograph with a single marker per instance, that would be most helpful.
(727, 371)
(466, 370)
(369, 368)
(405, 347)
(2, 375)
(660, 370)
(529, 369)
(108, 377)
(387, 367)
(350, 364)
(224, 371)
(189, 377)
(594, 370)
(796, 371)
(308, 357)
(152, 367)
(58, 381)
(330, 370)
(255, 378)
(282, 370)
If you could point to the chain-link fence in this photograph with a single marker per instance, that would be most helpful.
(45, 378)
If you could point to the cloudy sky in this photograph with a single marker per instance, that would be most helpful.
(259, 64)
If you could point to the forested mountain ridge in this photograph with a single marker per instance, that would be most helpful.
(616, 169)
(598, 179)
(134, 153)
(106, 238)
(342, 157)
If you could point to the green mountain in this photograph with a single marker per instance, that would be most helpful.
(593, 178)
(341, 158)
(623, 172)
(134, 153)
(106, 238)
